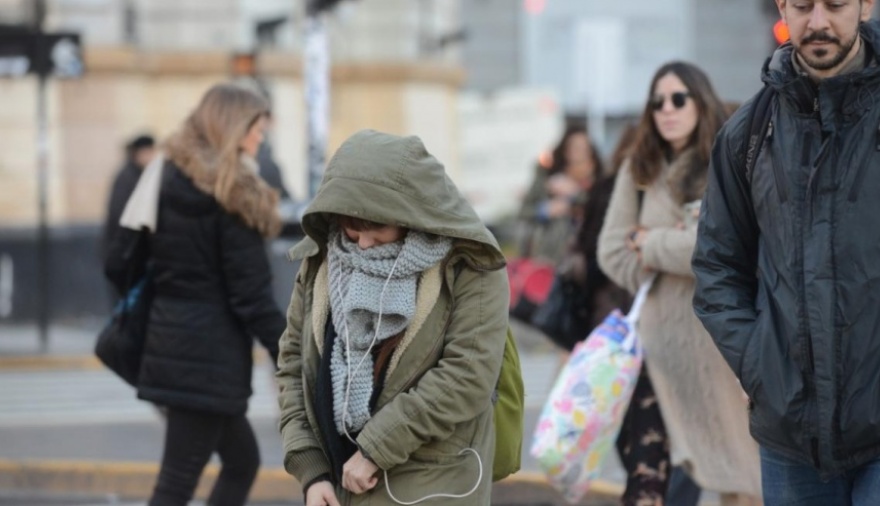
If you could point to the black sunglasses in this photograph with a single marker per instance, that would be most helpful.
(679, 99)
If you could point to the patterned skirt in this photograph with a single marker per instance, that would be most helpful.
(643, 446)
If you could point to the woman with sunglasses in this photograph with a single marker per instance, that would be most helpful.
(688, 408)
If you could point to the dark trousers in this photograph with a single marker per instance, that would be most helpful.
(190, 440)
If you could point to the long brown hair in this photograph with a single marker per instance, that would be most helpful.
(207, 148)
(651, 149)
(221, 120)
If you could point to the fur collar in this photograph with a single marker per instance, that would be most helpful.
(250, 198)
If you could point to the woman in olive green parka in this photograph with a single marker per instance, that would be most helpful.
(428, 428)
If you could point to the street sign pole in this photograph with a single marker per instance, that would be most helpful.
(30, 50)
(43, 215)
(42, 188)
(317, 95)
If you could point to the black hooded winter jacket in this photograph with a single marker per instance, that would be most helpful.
(787, 263)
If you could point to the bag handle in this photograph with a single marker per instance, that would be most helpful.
(635, 310)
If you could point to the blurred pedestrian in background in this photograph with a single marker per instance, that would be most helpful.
(213, 296)
(688, 407)
(557, 195)
(395, 335)
(594, 295)
(138, 153)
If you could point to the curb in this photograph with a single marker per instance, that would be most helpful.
(135, 480)
(130, 480)
(49, 362)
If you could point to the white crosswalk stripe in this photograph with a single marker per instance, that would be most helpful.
(39, 398)
(29, 398)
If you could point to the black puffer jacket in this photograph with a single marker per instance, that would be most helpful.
(212, 297)
(803, 335)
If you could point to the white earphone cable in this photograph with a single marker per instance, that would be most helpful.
(436, 496)
(350, 374)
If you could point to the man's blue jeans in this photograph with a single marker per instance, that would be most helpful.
(788, 482)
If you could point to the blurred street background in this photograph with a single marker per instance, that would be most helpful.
(489, 85)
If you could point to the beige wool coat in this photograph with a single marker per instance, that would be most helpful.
(701, 401)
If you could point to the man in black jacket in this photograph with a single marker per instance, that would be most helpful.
(788, 258)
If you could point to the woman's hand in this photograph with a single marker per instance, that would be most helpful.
(321, 494)
(359, 474)
(636, 239)
(558, 206)
(561, 185)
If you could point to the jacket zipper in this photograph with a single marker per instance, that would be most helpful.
(420, 370)
(814, 441)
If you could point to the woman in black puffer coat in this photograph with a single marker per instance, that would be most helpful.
(212, 296)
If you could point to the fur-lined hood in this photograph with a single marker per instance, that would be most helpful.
(249, 198)
(394, 180)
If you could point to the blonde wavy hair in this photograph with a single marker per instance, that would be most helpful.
(207, 149)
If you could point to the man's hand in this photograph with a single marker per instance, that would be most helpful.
(359, 474)
(321, 494)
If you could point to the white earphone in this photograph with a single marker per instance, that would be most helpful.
(350, 374)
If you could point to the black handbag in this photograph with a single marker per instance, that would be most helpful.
(565, 316)
(120, 344)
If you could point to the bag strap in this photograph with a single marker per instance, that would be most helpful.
(760, 127)
(633, 316)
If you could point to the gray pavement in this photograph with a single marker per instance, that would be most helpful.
(91, 414)
(88, 414)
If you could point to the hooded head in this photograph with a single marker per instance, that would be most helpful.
(393, 180)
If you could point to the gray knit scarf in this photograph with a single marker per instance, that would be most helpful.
(357, 278)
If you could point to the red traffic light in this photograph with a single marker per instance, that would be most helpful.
(780, 32)
(535, 7)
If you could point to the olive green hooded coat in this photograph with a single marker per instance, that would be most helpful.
(437, 397)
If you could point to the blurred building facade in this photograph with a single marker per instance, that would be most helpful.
(599, 56)
(584, 49)
(149, 61)
(395, 67)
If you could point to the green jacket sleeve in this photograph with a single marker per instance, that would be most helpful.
(460, 386)
(303, 457)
